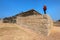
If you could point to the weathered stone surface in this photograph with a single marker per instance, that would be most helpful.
(39, 23)
(48, 23)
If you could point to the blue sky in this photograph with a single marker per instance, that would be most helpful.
(12, 7)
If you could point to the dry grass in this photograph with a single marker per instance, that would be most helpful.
(55, 34)
(16, 32)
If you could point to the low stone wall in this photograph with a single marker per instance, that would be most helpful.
(38, 23)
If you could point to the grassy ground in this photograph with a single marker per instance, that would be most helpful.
(16, 32)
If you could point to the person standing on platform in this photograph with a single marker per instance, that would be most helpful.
(44, 8)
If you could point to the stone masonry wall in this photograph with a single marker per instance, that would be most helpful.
(38, 23)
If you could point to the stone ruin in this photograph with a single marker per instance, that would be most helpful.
(37, 22)
(32, 20)
(9, 19)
